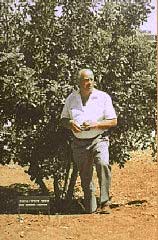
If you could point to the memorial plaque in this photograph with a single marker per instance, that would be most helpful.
(33, 203)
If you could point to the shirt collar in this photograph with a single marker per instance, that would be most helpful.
(93, 94)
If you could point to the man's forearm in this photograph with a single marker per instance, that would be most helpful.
(106, 124)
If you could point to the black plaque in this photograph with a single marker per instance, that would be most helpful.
(38, 204)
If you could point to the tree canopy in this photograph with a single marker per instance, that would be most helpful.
(40, 55)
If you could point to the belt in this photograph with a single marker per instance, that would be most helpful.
(104, 134)
(85, 139)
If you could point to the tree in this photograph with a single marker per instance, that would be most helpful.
(40, 56)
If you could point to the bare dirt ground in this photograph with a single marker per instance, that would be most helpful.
(133, 212)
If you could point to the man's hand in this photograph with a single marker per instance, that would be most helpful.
(70, 124)
(92, 125)
(86, 126)
(74, 127)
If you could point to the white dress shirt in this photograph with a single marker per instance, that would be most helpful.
(98, 107)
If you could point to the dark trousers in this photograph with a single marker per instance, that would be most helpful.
(86, 154)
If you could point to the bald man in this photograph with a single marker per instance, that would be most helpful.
(89, 113)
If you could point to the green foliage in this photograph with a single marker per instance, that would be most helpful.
(40, 54)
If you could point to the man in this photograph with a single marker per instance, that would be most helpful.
(89, 113)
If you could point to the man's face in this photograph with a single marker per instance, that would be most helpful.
(86, 83)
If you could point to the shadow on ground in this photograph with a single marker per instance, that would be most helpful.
(9, 201)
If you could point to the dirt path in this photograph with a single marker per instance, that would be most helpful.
(133, 216)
